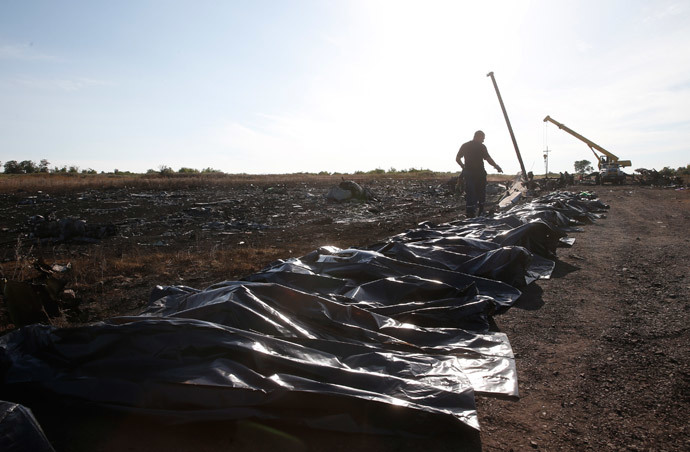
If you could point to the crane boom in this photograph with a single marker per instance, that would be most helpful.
(610, 158)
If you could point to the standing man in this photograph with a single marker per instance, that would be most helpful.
(474, 152)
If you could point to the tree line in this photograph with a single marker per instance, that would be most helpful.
(29, 167)
(585, 166)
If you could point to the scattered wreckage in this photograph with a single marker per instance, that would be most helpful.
(655, 178)
(68, 230)
(393, 338)
(348, 190)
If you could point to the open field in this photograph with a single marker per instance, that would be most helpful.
(602, 348)
(200, 230)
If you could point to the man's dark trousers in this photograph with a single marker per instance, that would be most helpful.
(475, 192)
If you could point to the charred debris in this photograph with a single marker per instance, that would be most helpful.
(392, 338)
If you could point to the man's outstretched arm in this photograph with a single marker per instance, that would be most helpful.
(492, 163)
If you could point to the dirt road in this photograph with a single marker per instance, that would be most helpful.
(603, 348)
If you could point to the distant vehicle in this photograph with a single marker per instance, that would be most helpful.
(610, 166)
(611, 172)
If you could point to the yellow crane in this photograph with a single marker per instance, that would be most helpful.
(602, 160)
(608, 163)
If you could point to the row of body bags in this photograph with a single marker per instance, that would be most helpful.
(388, 339)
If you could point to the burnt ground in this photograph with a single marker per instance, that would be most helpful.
(601, 348)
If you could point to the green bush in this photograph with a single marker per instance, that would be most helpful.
(164, 170)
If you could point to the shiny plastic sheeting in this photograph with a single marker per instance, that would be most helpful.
(539, 226)
(404, 297)
(537, 236)
(19, 430)
(510, 264)
(358, 267)
(393, 338)
(486, 359)
(181, 369)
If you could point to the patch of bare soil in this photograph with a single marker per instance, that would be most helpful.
(601, 348)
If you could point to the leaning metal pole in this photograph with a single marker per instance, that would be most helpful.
(510, 129)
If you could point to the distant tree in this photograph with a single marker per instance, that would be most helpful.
(211, 170)
(184, 170)
(23, 167)
(583, 166)
(165, 170)
(12, 167)
(73, 169)
(43, 166)
(27, 167)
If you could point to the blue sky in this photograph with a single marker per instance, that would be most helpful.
(290, 86)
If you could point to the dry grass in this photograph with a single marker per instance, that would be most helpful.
(64, 182)
(91, 271)
(21, 268)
